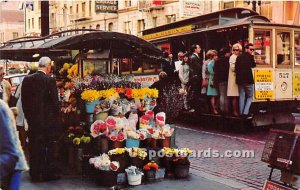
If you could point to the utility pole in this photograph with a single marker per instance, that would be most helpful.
(45, 18)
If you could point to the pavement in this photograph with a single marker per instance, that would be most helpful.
(206, 173)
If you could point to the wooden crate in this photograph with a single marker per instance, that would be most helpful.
(282, 150)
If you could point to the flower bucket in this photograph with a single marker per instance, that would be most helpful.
(116, 144)
(101, 116)
(139, 163)
(134, 179)
(160, 173)
(152, 143)
(167, 163)
(123, 161)
(90, 106)
(101, 144)
(182, 171)
(165, 142)
(150, 175)
(130, 143)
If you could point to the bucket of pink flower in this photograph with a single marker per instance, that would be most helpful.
(116, 127)
(99, 131)
(106, 171)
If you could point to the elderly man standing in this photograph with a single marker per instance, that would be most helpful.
(40, 105)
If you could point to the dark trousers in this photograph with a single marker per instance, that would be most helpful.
(41, 155)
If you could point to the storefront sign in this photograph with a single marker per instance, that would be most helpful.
(270, 185)
(146, 81)
(179, 30)
(264, 88)
(192, 8)
(296, 84)
(106, 6)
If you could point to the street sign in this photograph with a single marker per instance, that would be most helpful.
(271, 185)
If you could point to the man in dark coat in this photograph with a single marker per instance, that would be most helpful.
(195, 80)
(244, 78)
(41, 109)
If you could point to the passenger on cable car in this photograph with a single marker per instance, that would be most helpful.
(233, 89)
(221, 78)
(184, 72)
(195, 79)
(168, 65)
(212, 90)
(244, 78)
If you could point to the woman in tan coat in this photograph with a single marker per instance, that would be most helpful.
(233, 89)
(5, 87)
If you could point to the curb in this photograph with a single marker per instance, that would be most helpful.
(227, 182)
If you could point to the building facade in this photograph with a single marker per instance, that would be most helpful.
(133, 16)
(11, 21)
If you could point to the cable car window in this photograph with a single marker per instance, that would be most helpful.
(283, 47)
(149, 67)
(137, 66)
(262, 44)
(124, 65)
(94, 67)
(297, 49)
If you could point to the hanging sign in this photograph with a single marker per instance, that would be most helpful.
(106, 6)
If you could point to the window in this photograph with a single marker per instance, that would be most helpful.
(77, 8)
(83, 9)
(91, 27)
(283, 47)
(98, 27)
(125, 65)
(140, 26)
(71, 10)
(297, 48)
(262, 45)
(171, 18)
(32, 24)
(90, 8)
(94, 67)
(28, 23)
(110, 26)
(15, 35)
(228, 5)
(266, 10)
(127, 3)
(127, 27)
(40, 21)
(154, 21)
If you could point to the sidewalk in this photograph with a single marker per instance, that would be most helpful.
(195, 181)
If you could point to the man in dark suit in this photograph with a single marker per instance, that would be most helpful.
(40, 105)
(195, 80)
(244, 78)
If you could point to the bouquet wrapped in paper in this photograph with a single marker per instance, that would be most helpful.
(103, 162)
(160, 119)
(98, 128)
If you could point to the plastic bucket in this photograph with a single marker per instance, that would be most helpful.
(90, 106)
(130, 143)
(134, 179)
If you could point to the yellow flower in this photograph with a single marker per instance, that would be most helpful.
(73, 71)
(90, 95)
(66, 66)
(76, 140)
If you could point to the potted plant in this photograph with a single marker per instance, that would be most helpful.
(182, 166)
(91, 98)
(99, 131)
(150, 170)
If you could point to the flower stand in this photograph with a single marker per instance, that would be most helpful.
(101, 116)
(165, 142)
(182, 171)
(116, 144)
(139, 163)
(130, 143)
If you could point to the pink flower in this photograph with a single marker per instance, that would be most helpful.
(113, 138)
(121, 137)
(160, 118)
(111, 123)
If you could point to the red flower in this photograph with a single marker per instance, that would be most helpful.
(113, 138)
(121, 137)
(145, 117)
(128, 92)
(147, 168)
(103, 127)
(111, 123)
(160, 118)
(142, 137)
(150, 130)
(96, 129)
(150, 114)
(113, 166)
